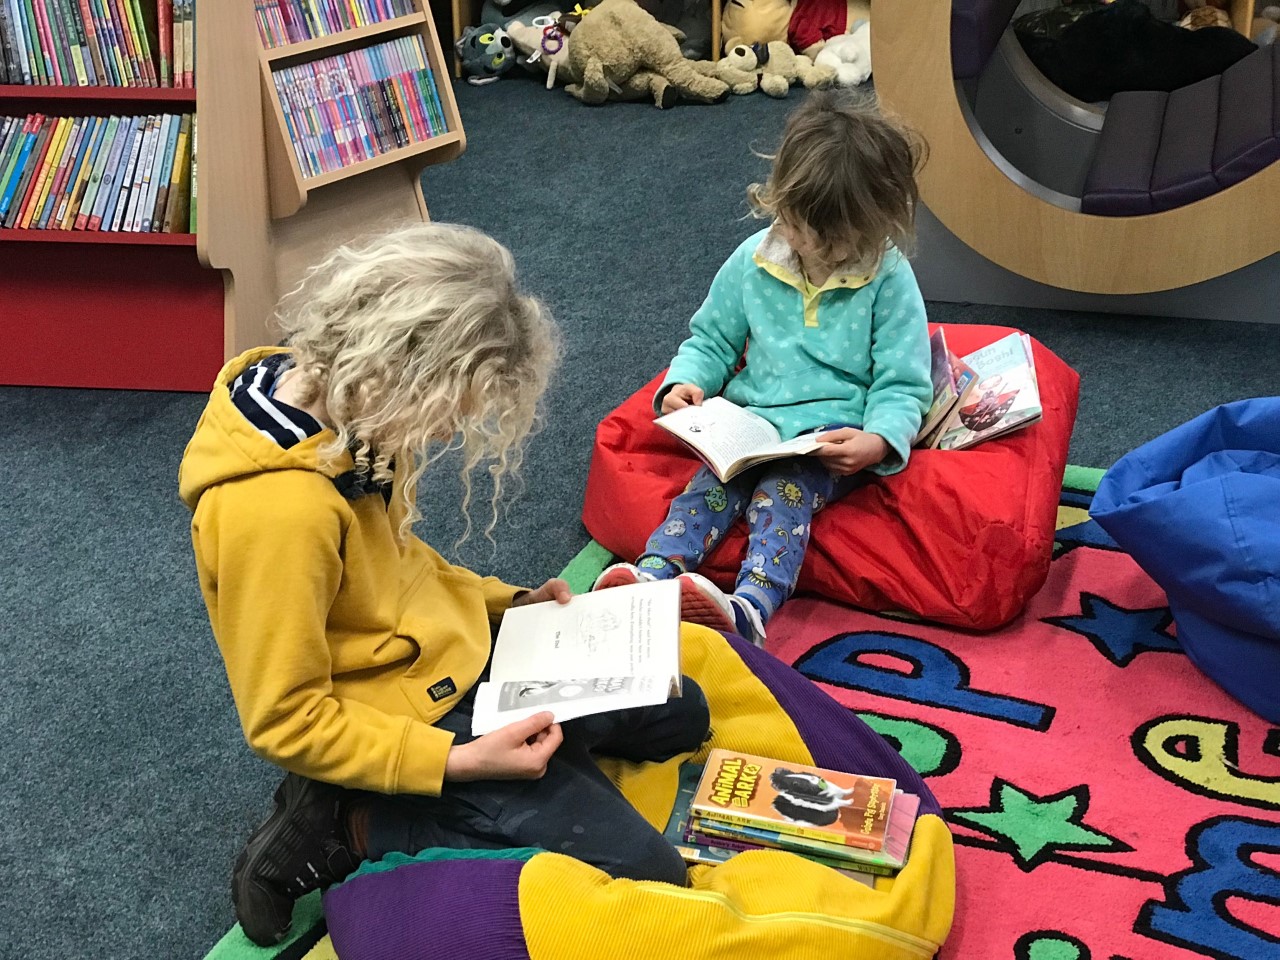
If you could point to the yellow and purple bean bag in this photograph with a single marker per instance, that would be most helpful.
(535, 905)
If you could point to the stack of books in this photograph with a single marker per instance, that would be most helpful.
(282, 22)
(115, 43)
(130, 174)
(343, 109)
(986, 394)
(859, 825)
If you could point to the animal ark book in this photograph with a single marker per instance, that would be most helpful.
(840, 808)
(886, 861)
(729, 438)
(602, 651)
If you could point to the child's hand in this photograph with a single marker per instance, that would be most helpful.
(554, 589)
(847, 451)
(518, 751)
(681, 395)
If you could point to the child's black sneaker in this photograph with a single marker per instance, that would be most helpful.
(297, 849)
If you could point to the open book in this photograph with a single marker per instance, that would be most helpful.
(729, 438)
(1006, 396)
(603, 651)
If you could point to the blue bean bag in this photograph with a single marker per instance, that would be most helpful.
(1199, 510)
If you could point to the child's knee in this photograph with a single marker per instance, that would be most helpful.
(693, 716)
(656, 859)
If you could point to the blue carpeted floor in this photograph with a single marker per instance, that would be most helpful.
(127, 789)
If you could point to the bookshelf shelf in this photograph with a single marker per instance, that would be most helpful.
(118, 237)
(130, 95)
(336, 42)
(451, 143)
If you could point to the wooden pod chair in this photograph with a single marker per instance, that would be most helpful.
(1158, 203)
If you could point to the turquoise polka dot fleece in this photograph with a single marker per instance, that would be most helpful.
(855, 351)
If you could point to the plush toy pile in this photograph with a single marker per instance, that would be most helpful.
(619, 49)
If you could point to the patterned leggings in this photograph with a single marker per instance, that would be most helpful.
(779, 497)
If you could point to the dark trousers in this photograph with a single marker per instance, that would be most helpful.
(573, 809)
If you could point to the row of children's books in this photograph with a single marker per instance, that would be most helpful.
(738, 802)
(343, 109)
(117, 43)
(282, 22)
(986, 394)
(134, 174)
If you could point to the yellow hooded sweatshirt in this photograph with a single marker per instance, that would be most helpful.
(342, 644)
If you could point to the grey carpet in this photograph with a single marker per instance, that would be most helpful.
(127, 787)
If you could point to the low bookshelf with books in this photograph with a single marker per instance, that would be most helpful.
(152, 208)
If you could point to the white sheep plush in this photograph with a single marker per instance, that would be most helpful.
(849, 55)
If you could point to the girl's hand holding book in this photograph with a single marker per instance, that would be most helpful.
(518, 751)
(681, 395)
(847, 451)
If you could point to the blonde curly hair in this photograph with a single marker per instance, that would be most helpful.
(418, 337)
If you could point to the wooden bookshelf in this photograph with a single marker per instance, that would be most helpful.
(290, 186)
(164, 311)
(139, 96)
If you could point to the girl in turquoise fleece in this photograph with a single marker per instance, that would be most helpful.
(825, 310)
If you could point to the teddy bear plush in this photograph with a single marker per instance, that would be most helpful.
(737, 68)
(754, 22)
(849, 55)
(620, 52)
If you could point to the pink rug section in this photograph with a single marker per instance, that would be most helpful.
(1108, 801)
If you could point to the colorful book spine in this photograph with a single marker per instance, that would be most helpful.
(118, 204)
(22, 45)
(111, 173)
(95, 178)
(75, 176)
(179, 179)
(129, 222)
(191, 213)
(13, 177)
(34, 162)
(65, 157)
(40, 187)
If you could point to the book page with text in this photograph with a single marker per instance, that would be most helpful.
(629, 631)
(722, 431)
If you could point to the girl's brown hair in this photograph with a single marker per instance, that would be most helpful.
(846, 173)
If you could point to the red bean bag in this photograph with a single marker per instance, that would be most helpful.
(962, 538)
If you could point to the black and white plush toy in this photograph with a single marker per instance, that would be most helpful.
(485, 52)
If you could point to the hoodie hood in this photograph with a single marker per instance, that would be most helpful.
(226, 446)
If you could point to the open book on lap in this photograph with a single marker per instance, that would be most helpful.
(610, 650)
(730, 439)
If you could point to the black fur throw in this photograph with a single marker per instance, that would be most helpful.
(1123, 47)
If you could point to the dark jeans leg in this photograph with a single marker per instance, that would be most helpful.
(574, 809)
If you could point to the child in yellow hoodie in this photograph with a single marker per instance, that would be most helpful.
(352, 648)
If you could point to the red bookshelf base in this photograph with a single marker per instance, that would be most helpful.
(119, 316)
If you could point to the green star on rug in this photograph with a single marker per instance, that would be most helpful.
(1031, 828)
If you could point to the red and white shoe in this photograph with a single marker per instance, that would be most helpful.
(620, 575)
(702, 602)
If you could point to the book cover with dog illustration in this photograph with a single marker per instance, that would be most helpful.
(841, 808)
